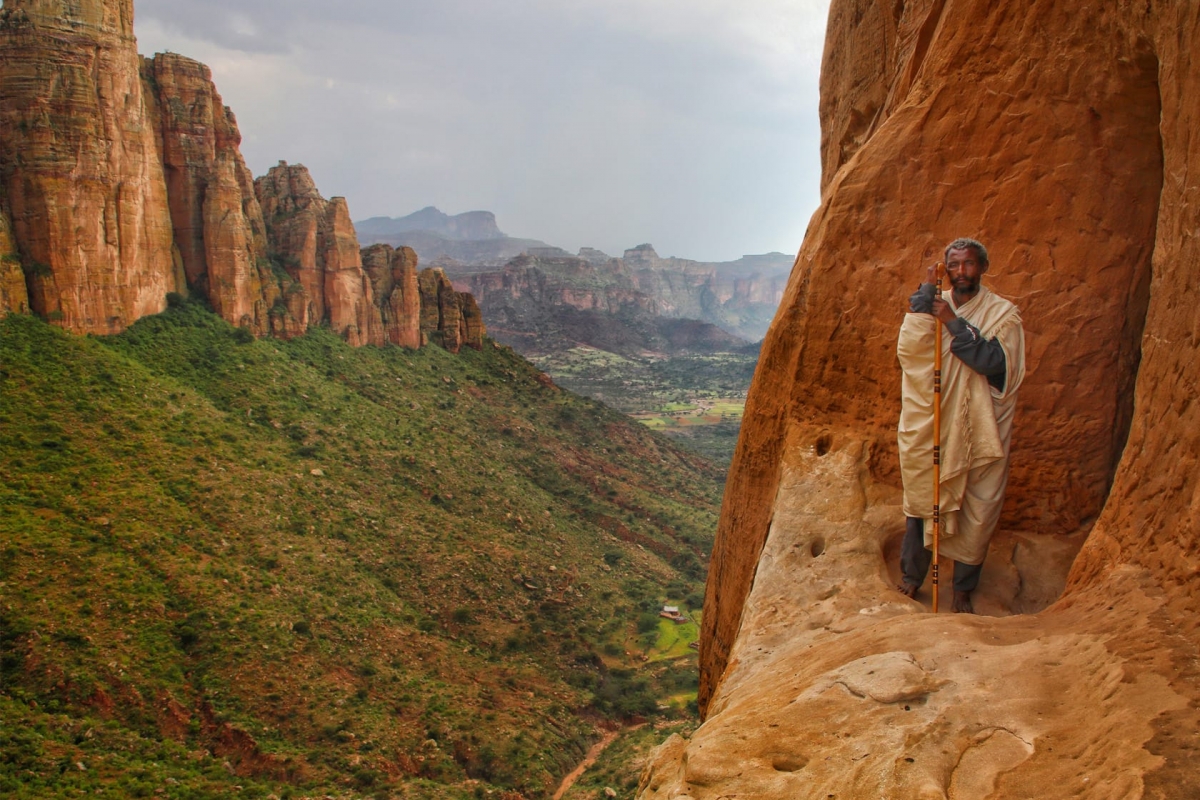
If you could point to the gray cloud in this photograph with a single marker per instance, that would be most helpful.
(688, 124)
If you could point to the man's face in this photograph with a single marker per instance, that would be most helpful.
(964, 270)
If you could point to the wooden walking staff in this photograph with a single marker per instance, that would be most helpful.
(937, 435)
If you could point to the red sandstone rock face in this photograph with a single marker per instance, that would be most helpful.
(453, 316)
(472, 320)
(14, 299)
(393, 274)
(348, 296)
(218, 224)
(315, 241)
(371, 296)
(431, 314)
(122, 181)
(292, 210)
(80, 166)
(1063, 137)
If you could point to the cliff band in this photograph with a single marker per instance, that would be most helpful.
(121, 180)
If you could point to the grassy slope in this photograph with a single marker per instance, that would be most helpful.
(299, 567)
(619, 765)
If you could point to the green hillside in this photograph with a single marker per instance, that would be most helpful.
(304, 569)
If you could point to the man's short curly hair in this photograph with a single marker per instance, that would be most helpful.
(963, 243)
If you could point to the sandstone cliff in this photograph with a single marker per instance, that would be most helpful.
(121, 180)
(448, 316)
(313, 239)
(218, 225)
(14, 298)
(1062, 137)
(393, 275)
(80, 166)
(548, 301)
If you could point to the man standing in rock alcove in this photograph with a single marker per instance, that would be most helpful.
(983, 346)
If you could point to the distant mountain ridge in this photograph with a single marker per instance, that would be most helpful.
(738, 296)
(545, 288)
(438, 238)
(468, 225)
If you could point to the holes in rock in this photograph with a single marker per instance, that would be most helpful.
(823, 443)
(788, 763)
(818, 547)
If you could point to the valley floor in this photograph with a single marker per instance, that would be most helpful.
(697, 400)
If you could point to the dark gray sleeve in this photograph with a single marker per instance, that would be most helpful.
(921, 301)
(984, 356)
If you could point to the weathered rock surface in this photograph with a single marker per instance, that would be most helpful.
(315, 241)
(368, 296)
(393, 274)
(14, 299)
(79, 164)
(121, 180)
(547, 301)
(349, 301)
(218, 225)
(450, 316)
(1064, 138)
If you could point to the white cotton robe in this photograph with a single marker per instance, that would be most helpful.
(977, 423)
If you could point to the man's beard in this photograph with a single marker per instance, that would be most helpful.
(965, 286)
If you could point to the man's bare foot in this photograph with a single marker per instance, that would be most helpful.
(962, 603)
(907, 589)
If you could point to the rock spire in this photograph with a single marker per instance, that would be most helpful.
(121, 180)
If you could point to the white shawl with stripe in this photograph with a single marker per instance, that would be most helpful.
(976, 425)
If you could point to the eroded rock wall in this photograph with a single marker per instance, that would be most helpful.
(14, 298)
(1063, 138)
(315, 242)
(368, 296)
(393, 274)
(217, 221)
(121, 180)
(80, 166)
(450, 316)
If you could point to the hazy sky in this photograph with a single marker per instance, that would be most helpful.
(690, 124)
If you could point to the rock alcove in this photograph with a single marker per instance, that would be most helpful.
(1064, 138)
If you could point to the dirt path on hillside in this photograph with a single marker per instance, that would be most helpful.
(590, 759)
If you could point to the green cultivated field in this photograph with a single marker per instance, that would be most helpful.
(696, 399)
(259, 568)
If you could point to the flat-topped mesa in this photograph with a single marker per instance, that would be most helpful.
(218, 224)
(81, 173)
(448, 316)
(641, 257)
(112, 18)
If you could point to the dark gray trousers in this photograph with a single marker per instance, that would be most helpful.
(915, 560)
